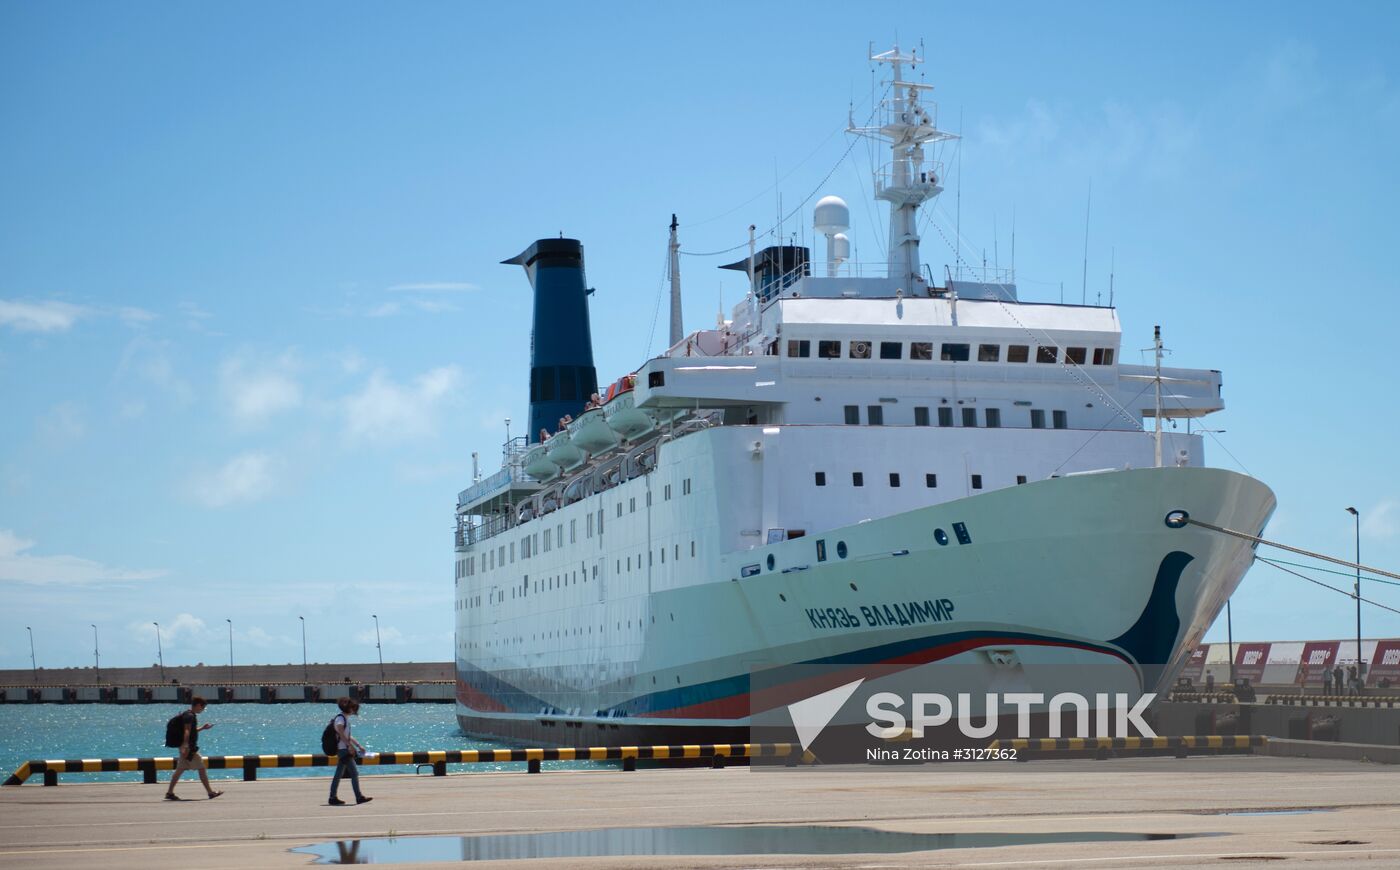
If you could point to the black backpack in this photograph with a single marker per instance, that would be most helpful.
(175, 730)
(329, 739)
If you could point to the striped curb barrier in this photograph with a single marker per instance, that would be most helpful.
(439, 759)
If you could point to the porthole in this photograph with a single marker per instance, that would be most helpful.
(853, 588)
(841, 549)
(771, 561)
(782, 597)
(941, 537)
(1177, 519)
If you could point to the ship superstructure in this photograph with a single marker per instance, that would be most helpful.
(852, 467)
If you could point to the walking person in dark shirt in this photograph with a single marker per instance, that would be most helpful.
(189, 757)
(347, 750)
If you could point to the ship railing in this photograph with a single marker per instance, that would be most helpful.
(468, 533)
(922, 177)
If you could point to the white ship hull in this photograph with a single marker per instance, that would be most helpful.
(1080, 569)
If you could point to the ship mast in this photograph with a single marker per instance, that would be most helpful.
(1157, 382)
(677, 330)
(908, 180)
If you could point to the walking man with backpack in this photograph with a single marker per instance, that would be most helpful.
(347, 750)
(183, 731)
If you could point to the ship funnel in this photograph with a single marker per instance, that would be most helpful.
(831, 218)
(562, 375)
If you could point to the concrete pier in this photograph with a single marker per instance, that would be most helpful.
(397, 682)
(1335, 813)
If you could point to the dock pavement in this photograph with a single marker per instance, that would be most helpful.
(1243, 811)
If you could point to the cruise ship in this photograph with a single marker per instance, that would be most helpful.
(859, 466)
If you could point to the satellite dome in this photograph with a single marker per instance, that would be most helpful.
(831, 216)
(840, 247)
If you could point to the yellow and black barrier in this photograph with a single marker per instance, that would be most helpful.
(439, 759)
(1103, 746)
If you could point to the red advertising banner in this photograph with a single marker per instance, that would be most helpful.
(1318, 659)
(1250, 659)
(1196, 664)
(1385, 664)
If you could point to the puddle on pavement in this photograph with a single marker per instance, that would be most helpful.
(747, 840)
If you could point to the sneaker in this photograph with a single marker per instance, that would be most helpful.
(363, 800)
(336, 802)
(170, 796)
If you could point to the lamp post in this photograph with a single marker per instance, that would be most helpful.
(33, 662)
(377, 645)
(96, 659)
(230, 648)
(305, 673)
(1360, 677)
(160, 653)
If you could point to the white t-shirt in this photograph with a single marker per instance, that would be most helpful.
(340, 743)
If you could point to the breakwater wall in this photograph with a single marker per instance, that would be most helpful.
(398, 682)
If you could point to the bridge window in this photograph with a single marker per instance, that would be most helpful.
(920, 416)
(829, 349)
(988, 353)
(1074, 355)
(993, 418)
(656, 379)
(1046, 354)
(852, 415)
(1018, 353)
(969, 417)
(1103, 356)
(799, 348)
(956, 352)
(921, 350)
(1061, 419)
(945, 417)
(891, 350)
(1020, 479)
(859, 350)
(875, 415)
(1037, 418)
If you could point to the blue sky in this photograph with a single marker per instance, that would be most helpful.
(252, 321)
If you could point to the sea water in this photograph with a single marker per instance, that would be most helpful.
(70, 731)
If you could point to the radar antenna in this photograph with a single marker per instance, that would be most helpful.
(908, 180)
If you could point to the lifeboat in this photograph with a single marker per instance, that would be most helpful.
(538, 464)
(591, 432)
(622, 413)
(563, 452)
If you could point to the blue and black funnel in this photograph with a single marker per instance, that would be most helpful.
(562, 375)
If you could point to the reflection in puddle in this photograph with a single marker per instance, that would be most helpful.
(748, 840)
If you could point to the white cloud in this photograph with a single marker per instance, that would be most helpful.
(149, 361)
(184, 630)
(62, 424)
(433, 287)
(47, 316)
(18, 566)
(256, 391)
(386, 411)
(247, 477)
(1382, 521)
(132, 316)
(388, 635)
